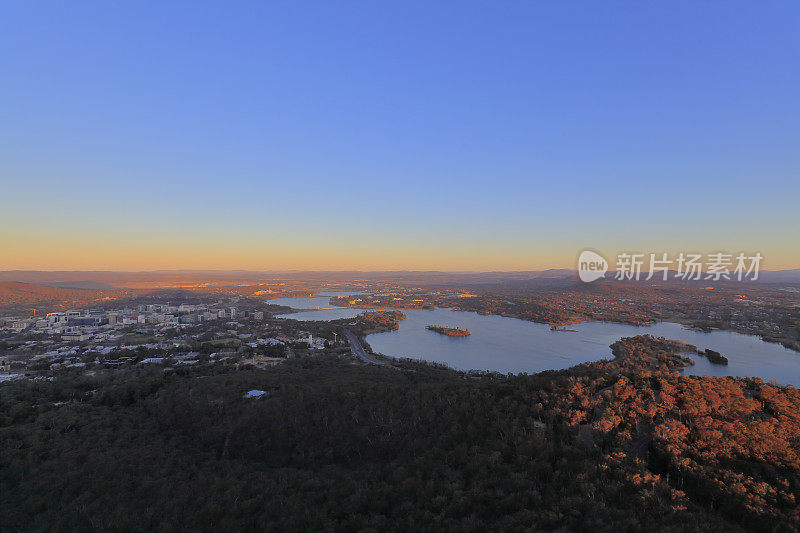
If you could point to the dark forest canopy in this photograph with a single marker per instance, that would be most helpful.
(333, 445)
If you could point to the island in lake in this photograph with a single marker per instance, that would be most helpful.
(714, 357)
(450, 332)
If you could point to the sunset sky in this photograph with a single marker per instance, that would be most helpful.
(405, 135)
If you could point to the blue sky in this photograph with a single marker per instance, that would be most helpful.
(444, 135)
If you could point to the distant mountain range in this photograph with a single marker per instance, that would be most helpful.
(780, 276)
(84, 284)
(104, 280)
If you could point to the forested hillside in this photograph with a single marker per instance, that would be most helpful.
(338, 446)
(24, 298)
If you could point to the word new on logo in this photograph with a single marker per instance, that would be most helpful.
(591, 266)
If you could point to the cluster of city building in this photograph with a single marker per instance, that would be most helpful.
(96, 323)
(157, 333)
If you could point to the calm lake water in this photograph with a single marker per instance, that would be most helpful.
(512, 345)
(321, 304)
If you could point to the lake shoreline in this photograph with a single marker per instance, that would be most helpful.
(514, 345)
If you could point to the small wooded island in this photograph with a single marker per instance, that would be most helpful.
(715, 357)
(450, 332)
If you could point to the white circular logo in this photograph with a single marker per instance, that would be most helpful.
(591, 266)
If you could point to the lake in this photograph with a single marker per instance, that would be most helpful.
(320, 305)
(507, 344)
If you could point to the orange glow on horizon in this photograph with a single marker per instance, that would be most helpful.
(216, 254)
